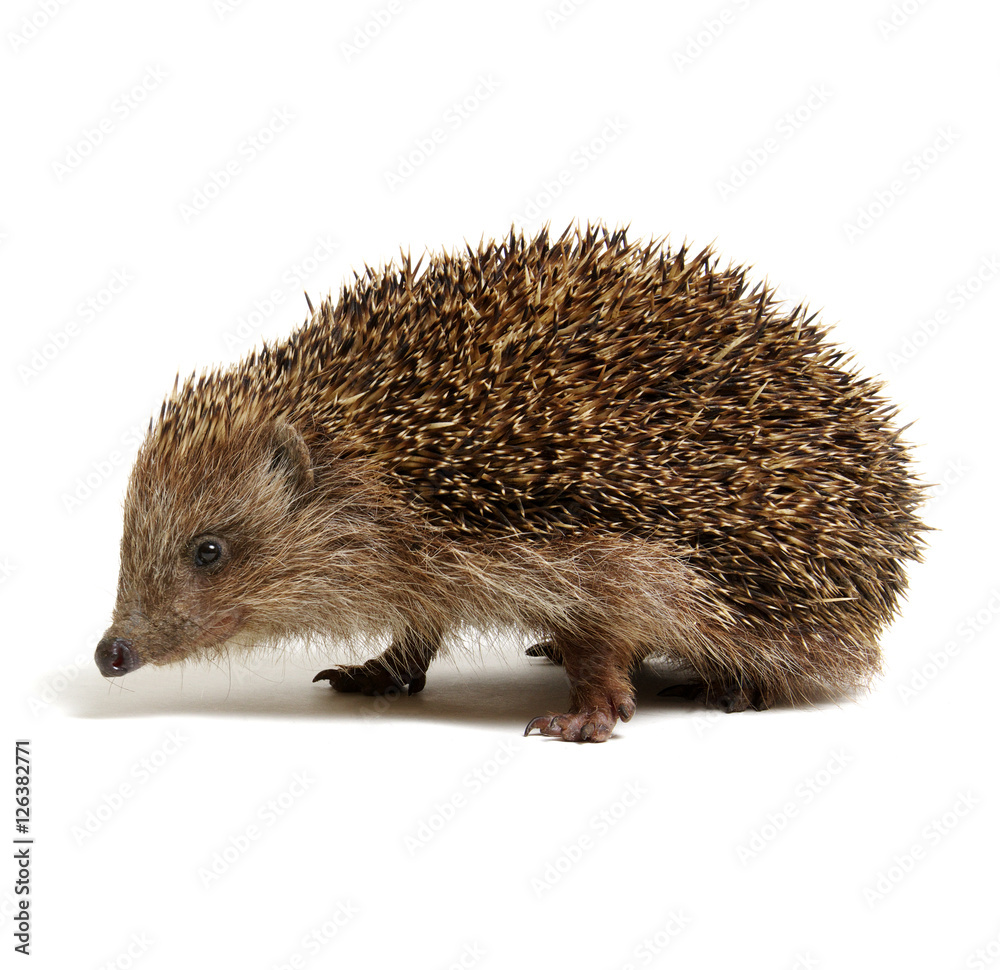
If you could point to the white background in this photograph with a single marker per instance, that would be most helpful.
(847, 150)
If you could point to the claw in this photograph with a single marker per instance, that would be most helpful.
(540, 722)
(546, 650)
(579, 726)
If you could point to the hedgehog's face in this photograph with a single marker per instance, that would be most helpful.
(206, 542)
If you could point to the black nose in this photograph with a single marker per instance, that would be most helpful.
(115, 656)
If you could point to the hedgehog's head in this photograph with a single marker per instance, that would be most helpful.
(216, 526)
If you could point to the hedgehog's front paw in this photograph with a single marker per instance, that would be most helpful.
(591, 722)
(373, 678)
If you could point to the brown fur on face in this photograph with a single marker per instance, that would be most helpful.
(253, 490)
(619, 449)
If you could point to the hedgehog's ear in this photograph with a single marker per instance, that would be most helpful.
(290, 456)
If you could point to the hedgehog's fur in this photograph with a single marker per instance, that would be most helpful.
(618, 449)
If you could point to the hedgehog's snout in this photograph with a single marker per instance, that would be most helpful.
(116, 656)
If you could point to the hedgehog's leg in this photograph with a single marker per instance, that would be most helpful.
(600, 691)
(402, 666)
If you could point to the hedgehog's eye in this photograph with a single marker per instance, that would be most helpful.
(209, 552)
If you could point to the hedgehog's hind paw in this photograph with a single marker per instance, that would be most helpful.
(581, 726)
(728, 699)
(373, 678)
(593, 723)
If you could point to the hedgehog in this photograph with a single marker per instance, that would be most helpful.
(616, 451)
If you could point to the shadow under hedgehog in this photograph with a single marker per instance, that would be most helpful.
(619, 450)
